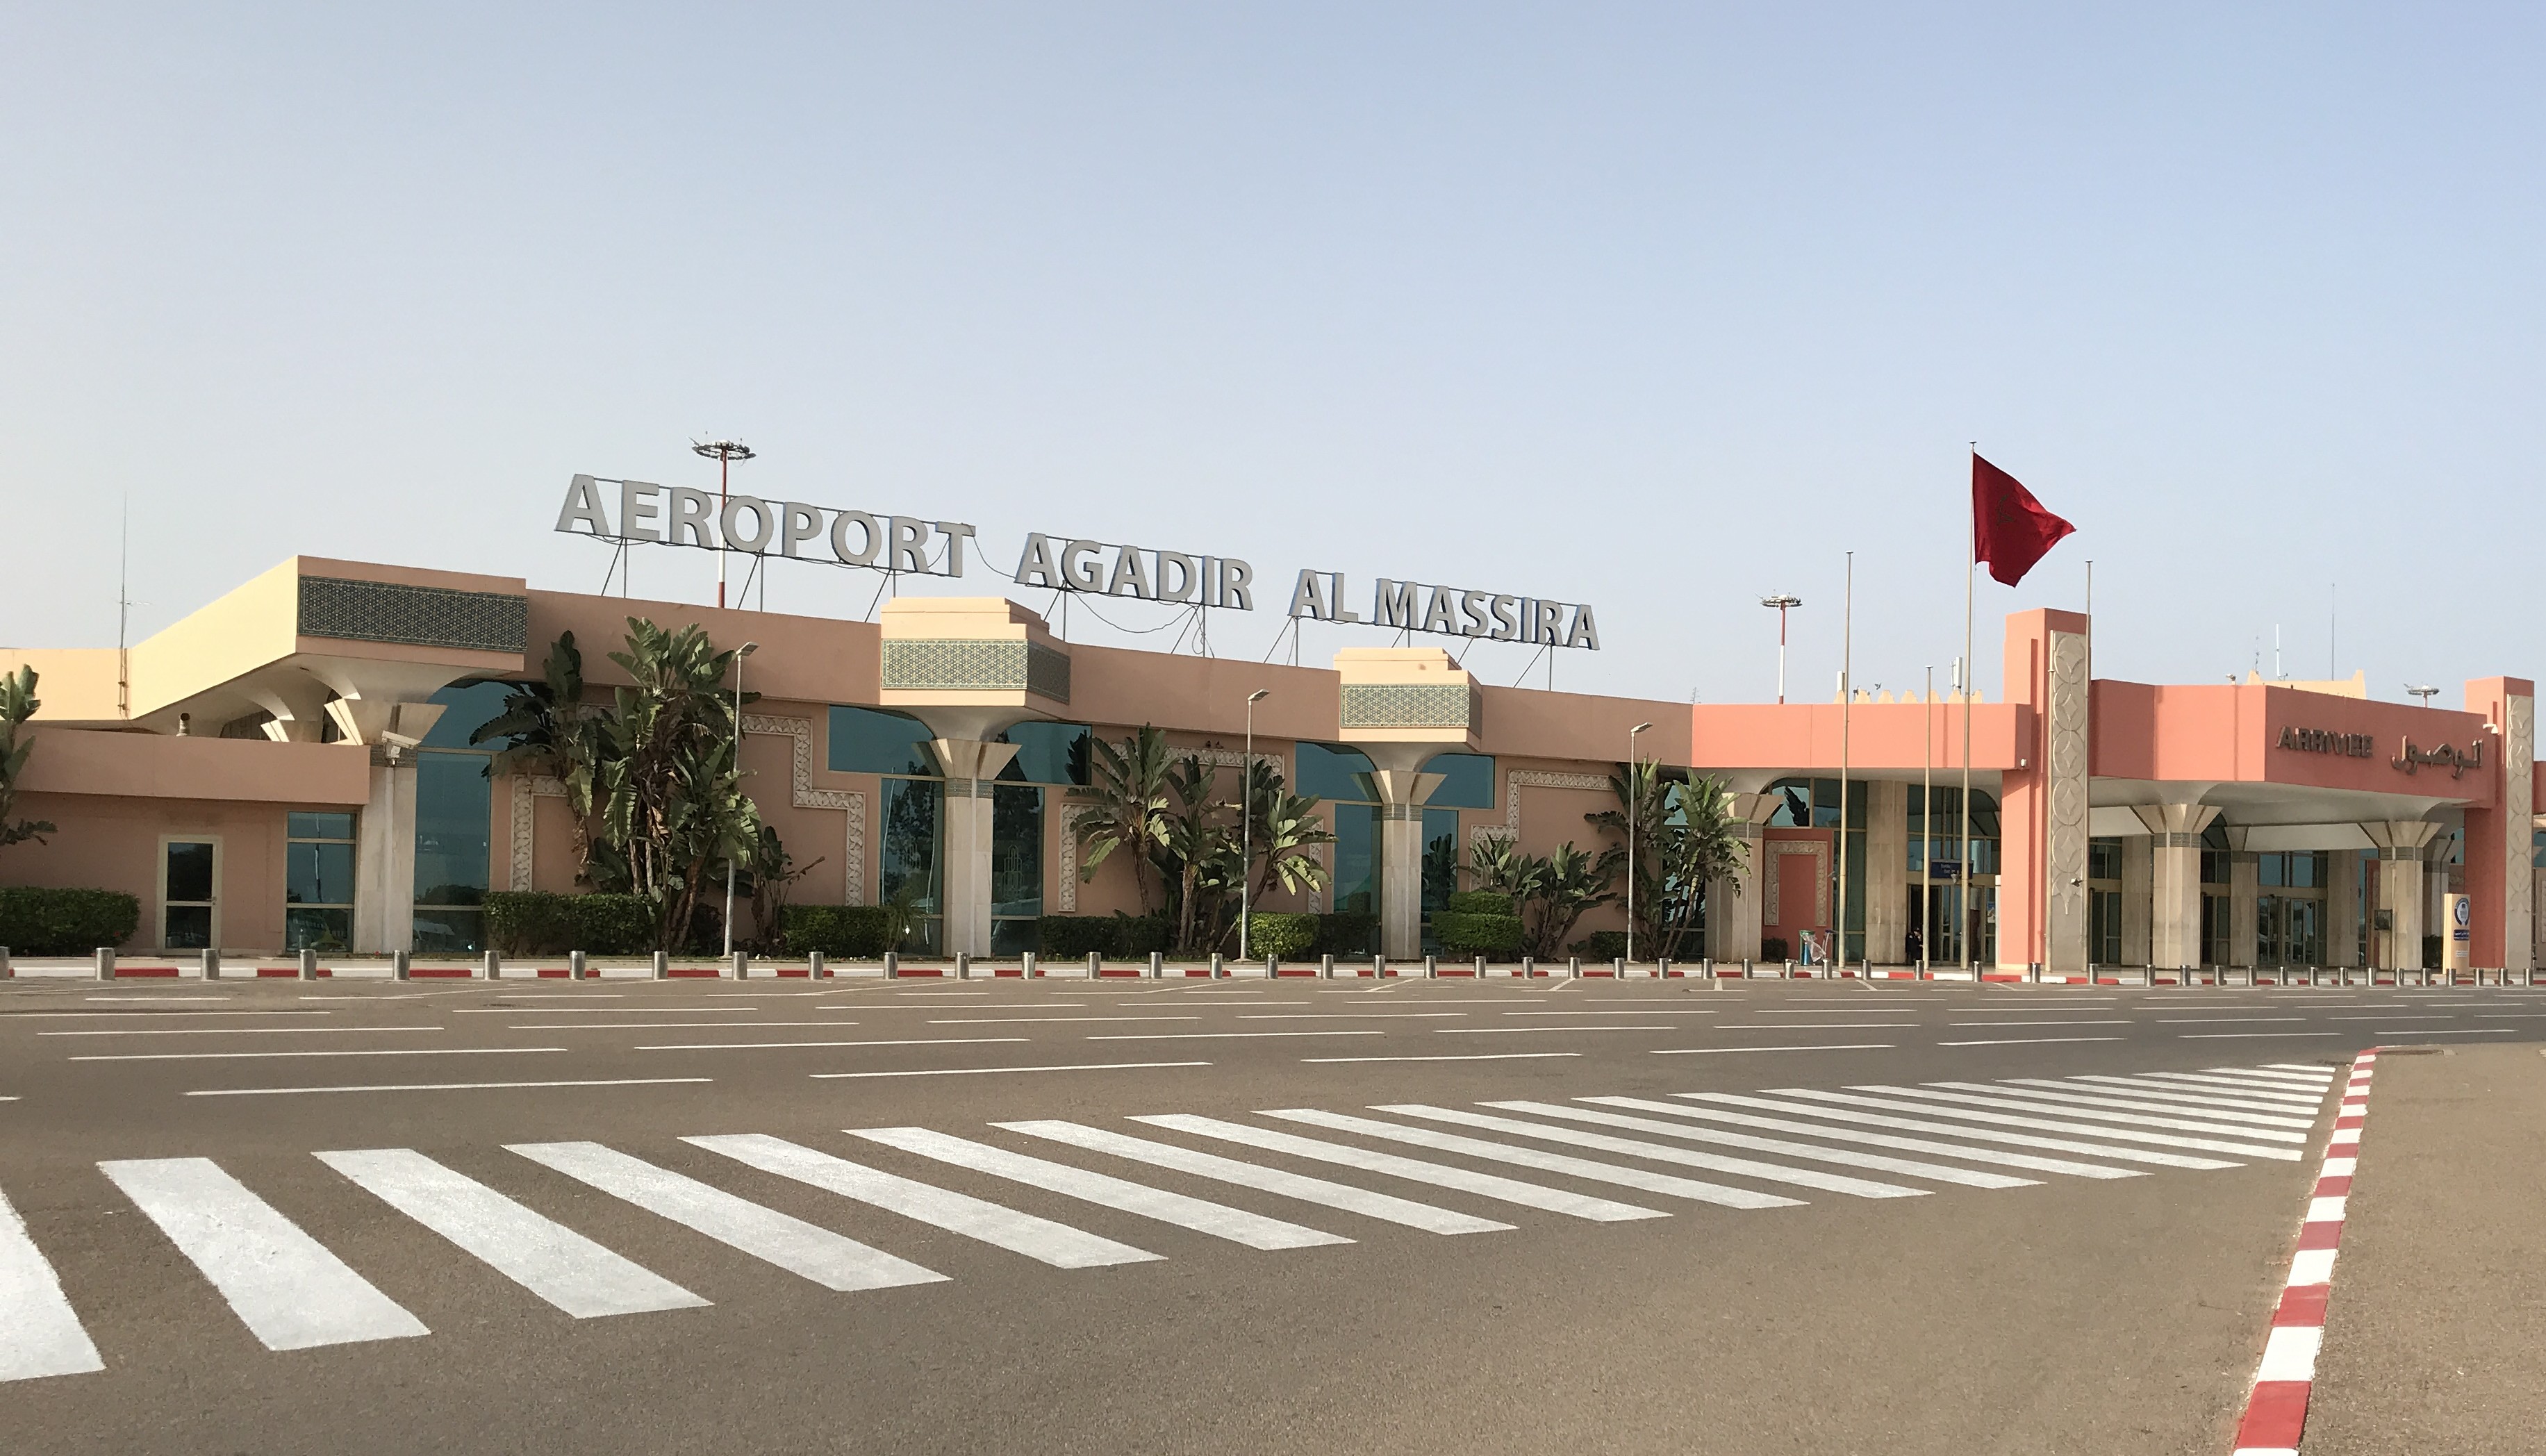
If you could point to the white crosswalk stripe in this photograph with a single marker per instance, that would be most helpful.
(39, 1333)
(2241, 1084)
(2170, 1095)
(1872, 1162)
(2227, 1120)
(1747, 1167)
(1997, 1156)
(2318, 1078)
(1952, 1129)
(1935, 1108)
(2006, 1099)
(1437, 1174)
(539, 1254)
(1271, 1180)
(1200, 1215)
(284, 1285)
(1554, 1162)
(832, 1260)
(1038, 1239)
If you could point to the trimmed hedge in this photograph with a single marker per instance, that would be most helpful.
(1347, 933)
(40, 921)
(1285, 937)
(1071, 937)
(851, 932)
(541, 922)
(1478, 902)
(1600, 945)
(1467, 934)
(1773, 948)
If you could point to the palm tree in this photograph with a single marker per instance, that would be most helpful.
(1127, 794)
(1569, 882)
(18, 703)
(1193, 836)
(1681, 839)
(547, 729)
(1285, 825)
(672, 800)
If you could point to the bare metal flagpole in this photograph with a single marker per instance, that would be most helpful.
(1926, 820)
(1970, 567)
(1846, 702)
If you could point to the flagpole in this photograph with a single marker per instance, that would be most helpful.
(2087, 891)
(1970, 567)
(1846, 702)
(1926, 821)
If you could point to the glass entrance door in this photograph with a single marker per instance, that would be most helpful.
(189, 893)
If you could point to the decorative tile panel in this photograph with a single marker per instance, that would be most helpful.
(1529, 778)
(414, 616)
(976, 665)
(1413, 706)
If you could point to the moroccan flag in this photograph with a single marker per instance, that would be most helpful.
(2009, 528)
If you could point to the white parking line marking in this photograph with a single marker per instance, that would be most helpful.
(942, 1041)
(616, 1081)
(1450, 1057)
(985, 1071)
(329, 1052)
(1712, 1051)
(1041, 1239)
(291, 1292)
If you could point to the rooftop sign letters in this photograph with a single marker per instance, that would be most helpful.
(2448, 755)
(1449, 610)
(645, 513)
(676, 515)
(2318, 740)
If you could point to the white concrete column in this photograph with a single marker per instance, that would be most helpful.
(1736, 907)
(2174, 881)
(2137, 864)
(384, 862)
(970, 765)
(1402, 792)
(2242, 874)
(2401, 844)
(1887, 872)
(2342, 908)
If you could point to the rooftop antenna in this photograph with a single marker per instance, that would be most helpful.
(2427, 694)
(725, 452)
(123, 609)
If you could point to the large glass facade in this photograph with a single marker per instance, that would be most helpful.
(1047, 753)
(1467, 782)
(2104, 902)
(1441, 862)
(455, 808)
(2290, 907)
(1813, 804)
(318, 882)
(1341, 775)
(1356, 848)
(870, 741)
(1016, 867)
(912, 861)
(1936, 829)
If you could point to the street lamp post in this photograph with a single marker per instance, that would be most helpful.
(747, 649)
(1782, 601)
(1635, 812)
(1246, 823)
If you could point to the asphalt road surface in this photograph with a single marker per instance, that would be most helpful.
(1240, 1216)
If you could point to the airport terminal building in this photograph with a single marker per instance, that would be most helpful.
(292, 765)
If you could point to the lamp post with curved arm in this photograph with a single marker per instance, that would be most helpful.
(1247, 825)
(1635, 826)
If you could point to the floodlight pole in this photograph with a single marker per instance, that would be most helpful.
(1782, 601)
(725, 452)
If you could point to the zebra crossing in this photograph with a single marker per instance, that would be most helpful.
(1506, 1161)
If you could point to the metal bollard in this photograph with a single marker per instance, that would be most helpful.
(7, 970)
(399, 966)
(1326, 965)
(1528, 967)
(892, 965)
(742, 965)
(1661, 967)
(578, 966)
(212, 968)
(1617, 968)
(1095, 964)
(1431, 968)
(1745, 967)
(1219, 967)
(1788, 974)
(1026, 966)
(1480, 967)
(1379, 967)
(662, 965)
(816, 968)
(308, 964)
(1158, 965)
(106, 963)
(493, 966)
(962, 965)
(1272, 968)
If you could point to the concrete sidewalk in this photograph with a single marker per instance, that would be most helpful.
(2436, 1337)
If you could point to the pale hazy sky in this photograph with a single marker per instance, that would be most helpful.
(1659, 307)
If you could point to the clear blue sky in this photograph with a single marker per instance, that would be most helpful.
(1655, 307)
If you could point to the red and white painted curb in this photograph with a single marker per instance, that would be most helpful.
(2276, 1407)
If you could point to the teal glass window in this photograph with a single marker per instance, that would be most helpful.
(1467, 780)
(870, 741)
(455, 805)
(1340, 775)
(1356, 873)
(318, 825)
(1016, 867)
(914, 823)
(466, 708)
(318, 882)
(1047, 753)
(2103, 859)
(1441, 857)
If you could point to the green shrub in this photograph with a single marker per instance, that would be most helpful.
(1773, 948)
(1465, 934)
(39, 921)
(1285, 937)
(1071, 937)
(1134, 936)
(540, 922)
(1600, 945)
(850, 932)
(1478, 902)
(1347, 933)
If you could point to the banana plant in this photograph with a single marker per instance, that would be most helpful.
(18, 703)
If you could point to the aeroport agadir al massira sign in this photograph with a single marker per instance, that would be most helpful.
(646, 513)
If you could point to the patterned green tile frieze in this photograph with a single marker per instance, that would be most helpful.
(1413, 706)
(412, 616)
(976, 665)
